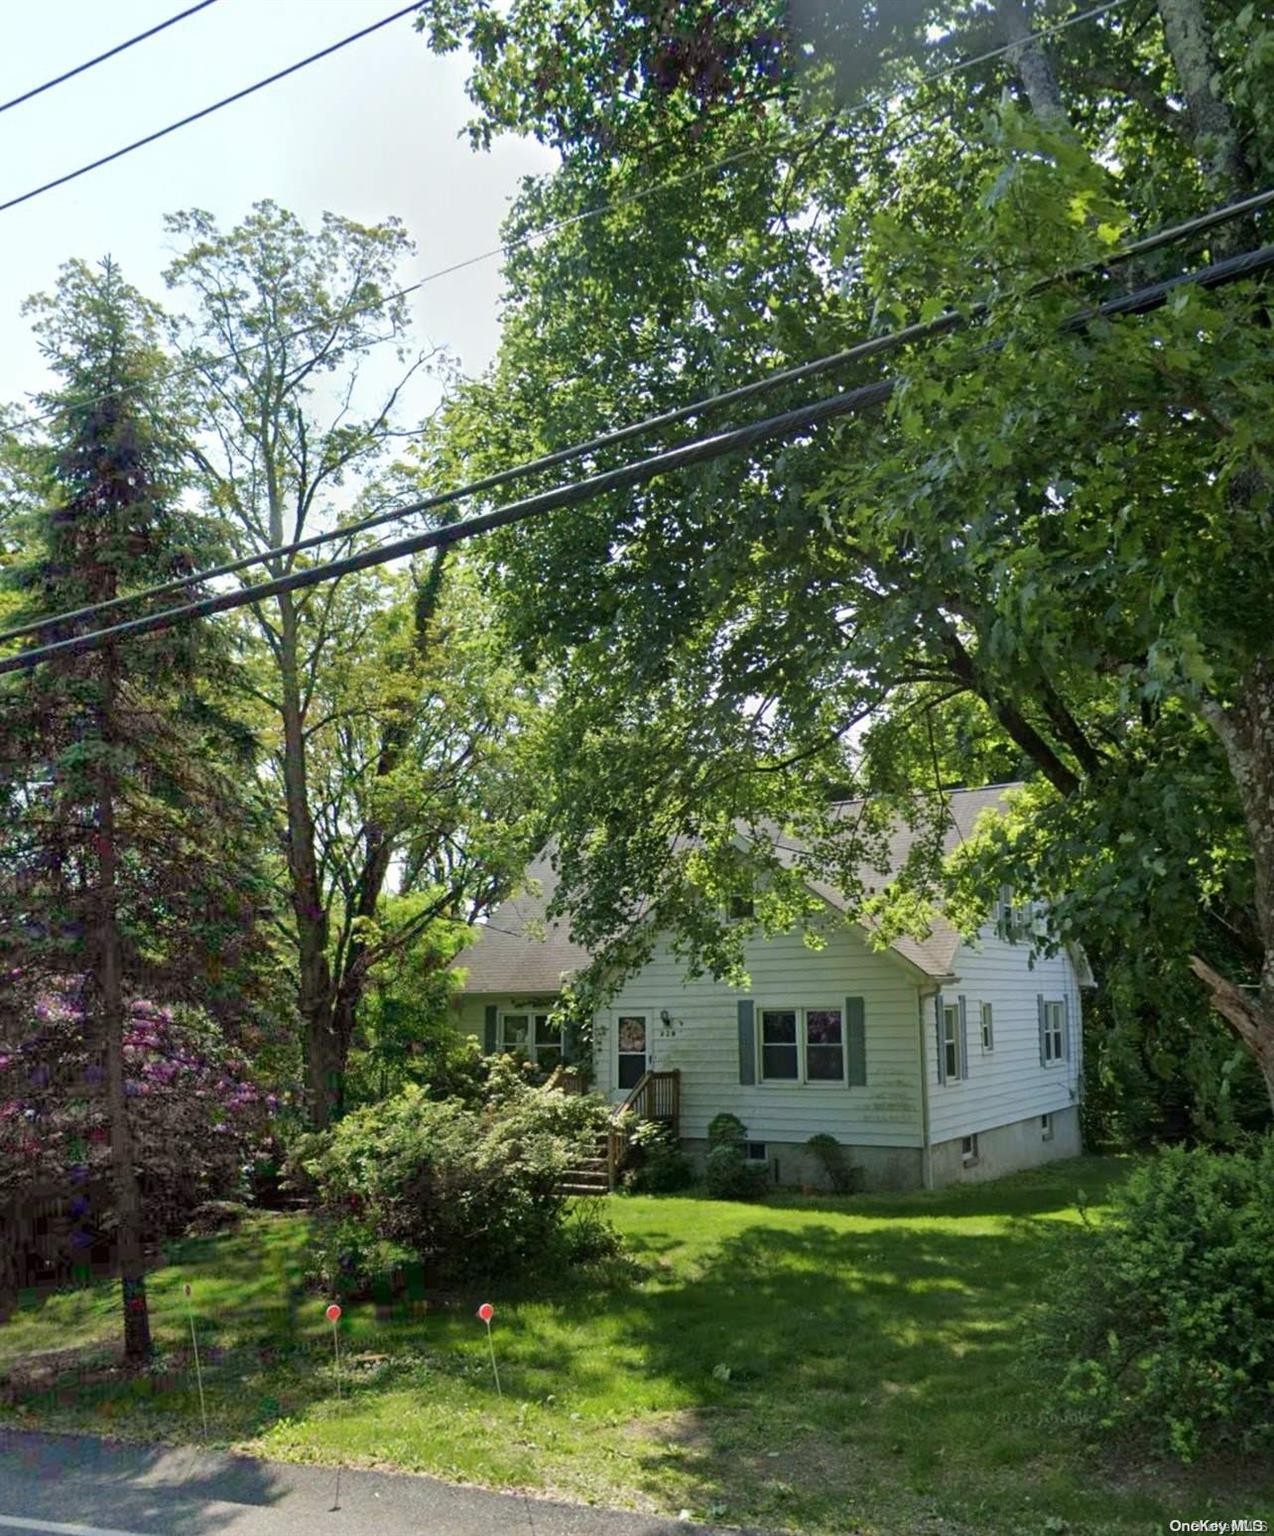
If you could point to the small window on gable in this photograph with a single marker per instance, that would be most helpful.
(969, 1149)
(988, 1028)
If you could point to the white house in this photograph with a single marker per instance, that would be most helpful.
(932, 1061)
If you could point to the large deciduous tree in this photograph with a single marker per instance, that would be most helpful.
(382, 734)
(1063, 526)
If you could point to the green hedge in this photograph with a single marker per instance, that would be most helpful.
(1164, 1320)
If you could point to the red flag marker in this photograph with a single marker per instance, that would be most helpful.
(486, 1312)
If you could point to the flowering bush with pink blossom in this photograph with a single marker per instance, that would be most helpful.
(195, 1113)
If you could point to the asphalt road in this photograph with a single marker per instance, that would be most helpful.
(75, 1485)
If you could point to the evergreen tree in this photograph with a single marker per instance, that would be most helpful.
(127, 866)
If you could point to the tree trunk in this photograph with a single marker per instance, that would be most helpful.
(1246, 731)
(130, 1253)
(348, 988)
(1034, 70)
(1215, 134)
(324, 1066)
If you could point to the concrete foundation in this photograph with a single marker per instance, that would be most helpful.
(1008, 1149)
(794, 1166)
(1000, 1150)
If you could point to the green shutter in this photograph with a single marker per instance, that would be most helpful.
(747, 1041)
(942, 1055)
(964, 1038)
(856, 1041)
(1039, 1001)
(1066, 1028)
(488, 1044)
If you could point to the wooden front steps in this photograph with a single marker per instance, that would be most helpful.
(656, 1096)
(592, 1174)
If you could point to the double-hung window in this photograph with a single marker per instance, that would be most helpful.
(802, 1045)
(988, 1028)
(950, 1044)
(1054, 1033)
(532, 1035)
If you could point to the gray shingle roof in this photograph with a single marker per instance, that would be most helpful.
(520, 951)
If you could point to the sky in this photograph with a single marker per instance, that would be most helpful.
(371, 131)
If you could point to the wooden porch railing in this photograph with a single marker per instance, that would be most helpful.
(568, 1080)
(654, 1096)
(657, 1096)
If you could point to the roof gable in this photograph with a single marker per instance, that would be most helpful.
(519, 949)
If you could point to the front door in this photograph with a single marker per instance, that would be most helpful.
(632, 1050)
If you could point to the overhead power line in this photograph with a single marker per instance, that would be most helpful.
(70, 74)
(696, 451)
(194, 117)
(890, 341)
(638, 194)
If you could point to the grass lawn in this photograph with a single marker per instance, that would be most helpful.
(828, 1366)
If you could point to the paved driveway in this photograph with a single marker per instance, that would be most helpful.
(75, 1485)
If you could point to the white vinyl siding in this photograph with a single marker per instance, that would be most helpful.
(1008, 1083)
(786, 975)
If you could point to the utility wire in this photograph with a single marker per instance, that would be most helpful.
(101, 58)
(639, 194)
(890, 341)
(194, 117)
(696, 451)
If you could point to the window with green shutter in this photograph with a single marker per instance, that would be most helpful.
(811, 1045)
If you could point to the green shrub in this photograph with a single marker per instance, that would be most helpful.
(841, 1173)
(1165, 1321)
(726, 1130)
(659, 1165)
(588, 1237)
(468, 1191)
(729, 1176)
(347, 1258)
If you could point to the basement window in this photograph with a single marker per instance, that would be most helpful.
(969, 1149)
(754, 1151)
(1046, 1127)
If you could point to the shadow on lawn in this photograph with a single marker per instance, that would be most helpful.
(820, 1360)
